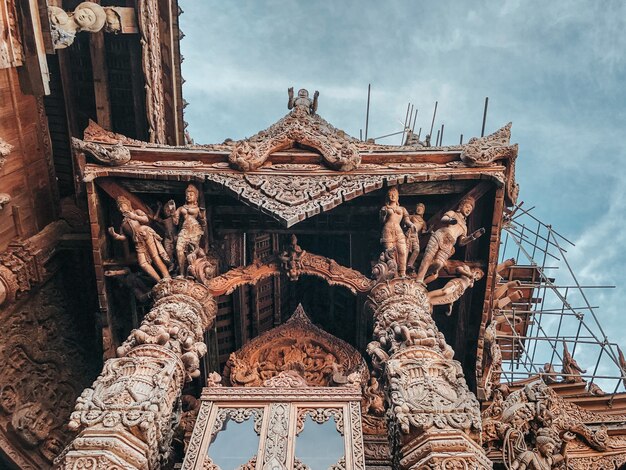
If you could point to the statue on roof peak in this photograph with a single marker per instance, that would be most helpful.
(302, 101)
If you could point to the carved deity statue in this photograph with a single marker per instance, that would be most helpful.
(441, 244)
(393, 215)
(87, 16)
(150, 250)
(413, 234)
(544, 456)
(302, 101)
(192, 221)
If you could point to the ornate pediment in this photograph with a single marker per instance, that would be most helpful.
(301, 347)
(301, 126)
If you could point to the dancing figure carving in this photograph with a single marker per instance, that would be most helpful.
(441, 244)
(150, 250)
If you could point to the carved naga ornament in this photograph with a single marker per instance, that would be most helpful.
(115, 155)
(303, 126)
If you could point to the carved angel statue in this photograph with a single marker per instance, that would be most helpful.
(455, 287)
(192, 221)
(302, 101)
(150, 250)
(87, 16)
(393, 215)
(441, 244)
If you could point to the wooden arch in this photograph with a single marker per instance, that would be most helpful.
(294, 263)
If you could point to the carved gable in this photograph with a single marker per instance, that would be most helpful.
(297, 345)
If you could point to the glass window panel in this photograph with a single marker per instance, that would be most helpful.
(319, 446)
(235, 443)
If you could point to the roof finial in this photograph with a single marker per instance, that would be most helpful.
(302, 101)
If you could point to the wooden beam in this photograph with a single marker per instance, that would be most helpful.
(115, 190)
(34, 74)
(100, 79)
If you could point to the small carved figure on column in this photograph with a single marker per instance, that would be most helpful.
(87, 16)
(302, 101)
(440, 246)
(193, 226)
(571, 370)
(413, 234)
(169, 241)
(455, 287)
(148, 246)
(392, 215)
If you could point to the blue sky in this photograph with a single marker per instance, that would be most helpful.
(556, 69)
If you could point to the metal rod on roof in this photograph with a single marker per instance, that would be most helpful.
(414, 119)
(361, 134)
(441, 138)
(408, 126)
(432, 124)
(419, 134)
(387, 135)
(406, 119)
(461, 140)
(482, 132)
(367, 114)
(437, 140)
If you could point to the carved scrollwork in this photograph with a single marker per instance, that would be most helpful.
(305, 128)
(320, 416)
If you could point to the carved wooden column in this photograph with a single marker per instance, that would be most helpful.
(126, 418)
(434, 419)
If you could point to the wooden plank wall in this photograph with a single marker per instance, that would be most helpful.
(26, 176)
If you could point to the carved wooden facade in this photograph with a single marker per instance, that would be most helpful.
(171, 261)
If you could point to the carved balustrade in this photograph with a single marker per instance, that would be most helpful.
(434, 419)
(126, 418)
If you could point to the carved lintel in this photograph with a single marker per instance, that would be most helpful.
(26, 263)
(304, 264)
(115, 155)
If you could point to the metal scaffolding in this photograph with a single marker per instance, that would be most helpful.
(546, 316)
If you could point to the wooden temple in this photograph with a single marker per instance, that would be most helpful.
(299, 299)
